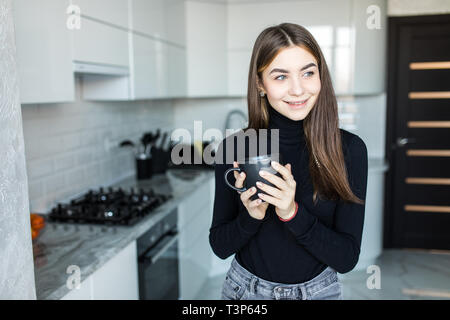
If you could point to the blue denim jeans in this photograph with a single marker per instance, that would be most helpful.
(240, 284)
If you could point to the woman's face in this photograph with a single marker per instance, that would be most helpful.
(292, 82)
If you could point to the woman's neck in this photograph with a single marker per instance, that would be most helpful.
(291, 131)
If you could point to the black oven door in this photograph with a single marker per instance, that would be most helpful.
(158, 270)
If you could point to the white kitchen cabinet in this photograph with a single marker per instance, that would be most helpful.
(104, 46)
(158, 54)
(218, 266)
(355, 54)
(110, 11)
(194, 256)
(246, 20)
(43, 51)
(149, 71)
(99, 43)
(84, 292)
(194, 249)
(372, 238)
(177, 71)
(116, 280)
(206, 49)
(161, 19)
(148, 17)
(370, 47)
(175, 20)
(238, 68)
(191, 206)
(327, 20)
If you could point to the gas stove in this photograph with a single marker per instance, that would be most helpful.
(110, 206)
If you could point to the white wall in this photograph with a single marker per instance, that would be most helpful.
(16, 255)
(71, 147)
(417, 7)
(211, 111)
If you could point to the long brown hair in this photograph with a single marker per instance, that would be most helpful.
(321, 127)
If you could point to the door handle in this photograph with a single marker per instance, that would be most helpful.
(403, 141)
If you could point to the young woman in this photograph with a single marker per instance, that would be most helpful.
(291, 243)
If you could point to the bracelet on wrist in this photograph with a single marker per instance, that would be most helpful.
(292, 217)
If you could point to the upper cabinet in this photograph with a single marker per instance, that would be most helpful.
(120, 49)
(43, 49)
(149, 75)
(206, 49)
(370, 39)
(354, 52)
(157, 49)
(99, 43)
(177, 71)
(100, 49)
(175, 21)
(108, 11)
(148, 17)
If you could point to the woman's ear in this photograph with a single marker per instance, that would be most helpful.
(260, 85)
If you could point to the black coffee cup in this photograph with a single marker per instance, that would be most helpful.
(251, 167)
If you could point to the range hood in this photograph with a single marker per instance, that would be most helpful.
(99, 69)
(102, 82)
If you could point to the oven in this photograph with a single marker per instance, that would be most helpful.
(158, 260)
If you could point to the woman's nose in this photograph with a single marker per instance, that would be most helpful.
(296, 88)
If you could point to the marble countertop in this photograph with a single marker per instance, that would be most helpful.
(90, 246)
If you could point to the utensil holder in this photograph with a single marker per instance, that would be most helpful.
(161, 160)
(144, 168)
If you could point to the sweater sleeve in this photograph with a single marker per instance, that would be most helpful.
(232, 226)
(339, 247)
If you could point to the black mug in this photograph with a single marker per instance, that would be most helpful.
(251, 167)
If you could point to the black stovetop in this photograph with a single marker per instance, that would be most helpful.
(110, 206)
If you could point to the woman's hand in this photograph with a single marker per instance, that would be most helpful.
(256, 208)
(282, 198)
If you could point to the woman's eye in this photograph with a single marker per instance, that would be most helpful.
(278, 78)
(308, 74)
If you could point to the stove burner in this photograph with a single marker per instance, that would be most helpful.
(113, 206)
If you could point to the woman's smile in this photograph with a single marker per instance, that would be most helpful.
(298, 104)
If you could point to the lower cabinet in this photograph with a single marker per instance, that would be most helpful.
(116, 280)
(194, 249)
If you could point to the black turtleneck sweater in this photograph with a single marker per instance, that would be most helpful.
(326, 234)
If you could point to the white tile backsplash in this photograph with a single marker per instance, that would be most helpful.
(211, 111)
(71, 147)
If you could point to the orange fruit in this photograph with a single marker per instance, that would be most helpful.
(37, 221)
(34, 233)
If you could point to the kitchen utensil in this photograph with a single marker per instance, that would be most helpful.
(163, 140)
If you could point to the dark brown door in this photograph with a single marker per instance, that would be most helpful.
(417, 195)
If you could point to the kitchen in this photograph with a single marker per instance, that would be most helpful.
(93, 74)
